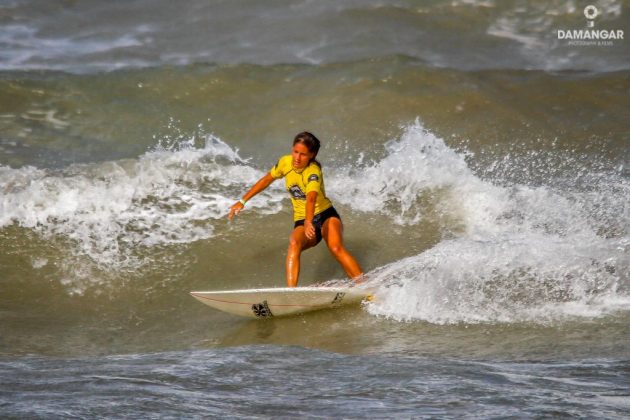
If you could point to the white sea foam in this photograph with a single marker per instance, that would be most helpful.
(523, 278)
(418, 161)
(167, 196)
(525, 253)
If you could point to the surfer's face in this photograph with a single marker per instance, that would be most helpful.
(301, 156)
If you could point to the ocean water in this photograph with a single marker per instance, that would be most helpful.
(480, 165)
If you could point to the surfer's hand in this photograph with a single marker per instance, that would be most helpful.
(235, 210)
(309, 229)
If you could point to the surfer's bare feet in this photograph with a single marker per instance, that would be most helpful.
(361, 278)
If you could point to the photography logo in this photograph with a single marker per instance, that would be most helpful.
(591, 12)
(591, 36)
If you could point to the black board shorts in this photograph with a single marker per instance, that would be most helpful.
(318, 221)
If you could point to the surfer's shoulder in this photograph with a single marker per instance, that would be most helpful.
(282, 167)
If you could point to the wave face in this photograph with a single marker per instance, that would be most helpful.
(505, 252)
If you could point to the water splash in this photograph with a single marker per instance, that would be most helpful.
(526, 253)
(173, 194)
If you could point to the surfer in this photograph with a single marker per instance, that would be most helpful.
(314, 216)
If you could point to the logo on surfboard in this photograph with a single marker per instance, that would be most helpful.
(261, 310)
(338, 298)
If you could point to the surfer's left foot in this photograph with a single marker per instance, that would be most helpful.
(361, 278)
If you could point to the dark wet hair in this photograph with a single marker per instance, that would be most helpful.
(311, 142)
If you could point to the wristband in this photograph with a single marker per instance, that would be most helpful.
(243, 202)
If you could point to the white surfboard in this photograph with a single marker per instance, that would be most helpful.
(281, 301)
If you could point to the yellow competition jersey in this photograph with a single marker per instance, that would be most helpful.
(301, 183)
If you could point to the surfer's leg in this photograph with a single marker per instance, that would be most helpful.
(298, 242)
(332, 231)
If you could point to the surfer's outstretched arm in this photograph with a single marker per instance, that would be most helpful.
(259, 186)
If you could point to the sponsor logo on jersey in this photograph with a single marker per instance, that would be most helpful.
(297, 193)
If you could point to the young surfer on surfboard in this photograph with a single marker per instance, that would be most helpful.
(313, 213)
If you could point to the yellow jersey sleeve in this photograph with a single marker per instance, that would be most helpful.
(283, 167)
(313, 177)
